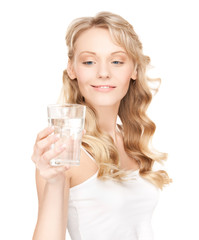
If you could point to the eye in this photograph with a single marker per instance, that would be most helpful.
(88, 62)
(117, 62)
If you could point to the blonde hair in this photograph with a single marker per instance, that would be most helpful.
(136, 126)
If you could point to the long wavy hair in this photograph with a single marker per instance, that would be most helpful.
(136, 127)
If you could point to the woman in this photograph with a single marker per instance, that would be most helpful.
(112, 194)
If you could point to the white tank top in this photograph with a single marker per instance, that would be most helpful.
(110, 210)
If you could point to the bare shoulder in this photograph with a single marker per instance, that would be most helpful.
(86, 169)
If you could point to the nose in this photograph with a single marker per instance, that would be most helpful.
(103, 71)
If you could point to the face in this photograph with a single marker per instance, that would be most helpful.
(102, 68)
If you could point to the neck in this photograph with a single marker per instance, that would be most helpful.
(107, 117)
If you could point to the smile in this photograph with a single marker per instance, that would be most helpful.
(103, 86)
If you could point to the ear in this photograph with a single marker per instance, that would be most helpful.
(134, 74)
(70, 70)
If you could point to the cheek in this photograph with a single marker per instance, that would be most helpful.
(125, 87)
(127, 75)
(82, 80)
(83, 75)
(125, 80)
(124, 84)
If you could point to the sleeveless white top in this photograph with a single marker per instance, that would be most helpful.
(112, 210)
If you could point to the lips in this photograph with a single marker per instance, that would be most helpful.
(103, 86)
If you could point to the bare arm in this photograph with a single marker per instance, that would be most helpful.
(52, 213)
(53, 189)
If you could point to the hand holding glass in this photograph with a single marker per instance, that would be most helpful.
(68, 121)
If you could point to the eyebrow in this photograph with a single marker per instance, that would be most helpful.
(93, 53)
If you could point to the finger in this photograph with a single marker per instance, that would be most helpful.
(52, 153)
(44, 133)
(44, 144)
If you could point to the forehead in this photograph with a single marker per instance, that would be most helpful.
(96, 40)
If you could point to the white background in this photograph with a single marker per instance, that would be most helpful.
(33, 56)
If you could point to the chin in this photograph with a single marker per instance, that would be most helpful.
(104, 103)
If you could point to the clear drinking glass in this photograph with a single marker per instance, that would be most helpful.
(68, 121)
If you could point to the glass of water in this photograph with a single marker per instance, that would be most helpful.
(68, 121)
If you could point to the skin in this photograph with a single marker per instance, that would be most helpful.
(98, 61)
